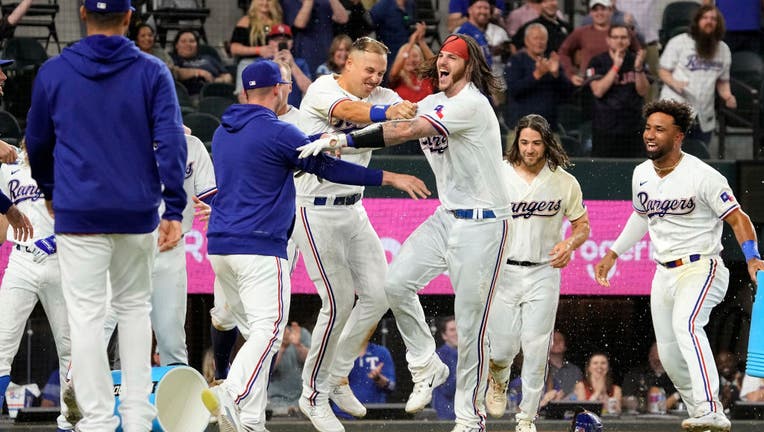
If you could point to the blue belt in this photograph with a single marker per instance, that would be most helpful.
(681, 261)
(473, 214)
(340, 200)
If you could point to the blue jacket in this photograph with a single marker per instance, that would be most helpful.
(443, 395)
(254, 156)
(103, 134)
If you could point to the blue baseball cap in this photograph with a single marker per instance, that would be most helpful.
(108, 6)
(263, 73)
(4, 62)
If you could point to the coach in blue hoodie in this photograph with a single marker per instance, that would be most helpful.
(255, 157)
(104, 134)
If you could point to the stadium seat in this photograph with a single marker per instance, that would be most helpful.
(696, 148)
(10, 131)
(677, 17)
(27, 52)
(215, 105)
(202, 125)
(218, 89)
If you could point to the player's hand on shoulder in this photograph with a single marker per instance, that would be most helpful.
(22, 226)
(401, 111)
(603, 267)
(407, 183)
(169, 234)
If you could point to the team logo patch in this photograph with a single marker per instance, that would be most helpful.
(189, 169)
(725, 197)
(439, 111)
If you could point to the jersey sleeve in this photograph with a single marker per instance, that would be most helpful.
(574, 205)
(635, 202)
(715, 191)
(451, 116)
(4, 177)
(726, 62)
(388, 96)
(319, 102)
(670, 55)
(204, 175)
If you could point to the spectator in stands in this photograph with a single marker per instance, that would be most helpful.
(392, 20)
(535, 84)
(529, 11)
(644, 12)
(619, 85)
(338, 54)
(8, 23)
(359, 22)
(753, 389)
(286, 373)
(639, 382)
(193, 69)
(589, 40)
(730, 378)
(51, 393)
(598, 385)
(743, 22)
(146, 42)
(620, 17)
(404, 74)
(556, 27)
(311, 20)
(443, 395)
(372, 378)
(457, 13)
(693, 65)
(249, 37)
(562, 375)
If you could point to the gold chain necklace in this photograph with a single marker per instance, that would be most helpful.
(659, 169)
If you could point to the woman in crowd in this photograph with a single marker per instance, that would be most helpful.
(404, 74)
(248, 40)
(338, 54)
(145, 41)
(194, 70)
(598, 385)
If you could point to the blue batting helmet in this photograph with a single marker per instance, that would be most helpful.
(586, 421)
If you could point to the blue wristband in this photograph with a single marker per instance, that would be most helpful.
(377, 113)
(750, 250)
(350, 140)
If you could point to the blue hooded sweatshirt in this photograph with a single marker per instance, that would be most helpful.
(254, 155)
(104, 133)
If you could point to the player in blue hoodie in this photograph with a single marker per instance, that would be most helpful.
(255, 158)
(104, 134)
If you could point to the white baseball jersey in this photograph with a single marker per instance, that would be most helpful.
(17, 184)
(466, 160)
(681, 58)
(323, 95)
(538, 209)
(684, 209)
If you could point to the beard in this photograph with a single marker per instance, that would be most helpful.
(706, 44)
(657, 154)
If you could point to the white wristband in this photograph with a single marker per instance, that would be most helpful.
(633, 231)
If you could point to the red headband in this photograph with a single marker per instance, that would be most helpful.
(456, 45)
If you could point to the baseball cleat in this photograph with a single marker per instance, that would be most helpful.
(712, 422)
(321, 415)
(462, 428)
(496, 397)
(344, 398)
(220, 405)
(525, 426)
(421, 395)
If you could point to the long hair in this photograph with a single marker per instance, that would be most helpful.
(336, 43)
(477, 69)
(553, 152)
(706, 45)
(608, 376)
(258, 28)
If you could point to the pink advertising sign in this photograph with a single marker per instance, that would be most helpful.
(395, 219)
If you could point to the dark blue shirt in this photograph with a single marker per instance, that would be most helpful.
(469, 29)
(364, 388)
(527, 95)
(393, 25)
(443, 395)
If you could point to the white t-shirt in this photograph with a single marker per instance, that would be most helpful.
(316, 108)
(292, 115)
(17, 183)
(538, 209)
(681, 58)
(495, 35)
(466, 157)
(684, 209)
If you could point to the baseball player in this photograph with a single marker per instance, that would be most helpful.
(255, 156)
(467, 234)
(525, 305)
(32, 275)
(343, 254)
(223, 328)
(682, 202)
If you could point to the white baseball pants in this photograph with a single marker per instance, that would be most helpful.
(522, 316)
(168, 304)
(85, 262)
(24, 283)
(343, 256)
(257, 291)
(473, 252)
(681, 302)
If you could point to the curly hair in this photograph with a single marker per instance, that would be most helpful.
(553, 152)
(681, 112)
(477, 68)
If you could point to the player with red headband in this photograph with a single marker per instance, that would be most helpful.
(467, 234)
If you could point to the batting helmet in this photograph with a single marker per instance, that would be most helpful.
(586, 421)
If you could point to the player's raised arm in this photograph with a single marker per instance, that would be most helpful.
(633, 231)
(746, 237)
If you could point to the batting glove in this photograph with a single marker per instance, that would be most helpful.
(330, 142)
(44, 248)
